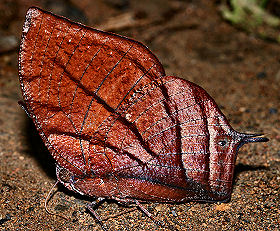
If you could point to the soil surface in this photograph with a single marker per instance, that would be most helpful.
(240, 71)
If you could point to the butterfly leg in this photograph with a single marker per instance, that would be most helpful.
(141, 207)
(148, 214)
(91, 207)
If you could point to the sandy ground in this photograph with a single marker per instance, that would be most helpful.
(241, 72)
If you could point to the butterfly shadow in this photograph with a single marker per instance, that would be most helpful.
(38, 150)
(239, 168)
(248, 168)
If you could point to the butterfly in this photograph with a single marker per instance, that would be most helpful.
(117, 126)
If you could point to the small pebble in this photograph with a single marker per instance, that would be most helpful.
(261, 75)
(273, 110)
(174, 213)
(222, 207)
(7, 218)
(158, 208)
(242, 109)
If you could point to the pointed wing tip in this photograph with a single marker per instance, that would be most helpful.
(31, 13)
(33, 9)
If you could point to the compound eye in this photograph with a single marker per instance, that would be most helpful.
(223, 142)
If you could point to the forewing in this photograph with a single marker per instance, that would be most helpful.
(75, 80)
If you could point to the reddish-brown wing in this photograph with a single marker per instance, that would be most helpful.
(74, 78)
(109, 115)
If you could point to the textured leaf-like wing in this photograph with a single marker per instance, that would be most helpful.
(105, 109)
(73, 78)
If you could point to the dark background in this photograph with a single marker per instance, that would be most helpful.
(238, 69)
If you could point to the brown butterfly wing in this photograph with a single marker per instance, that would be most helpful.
(109, 115)
(74, 77)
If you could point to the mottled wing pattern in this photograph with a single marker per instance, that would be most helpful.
(74, 78)
(104, 107)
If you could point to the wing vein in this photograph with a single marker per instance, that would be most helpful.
(134, 85)
(113, 68)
